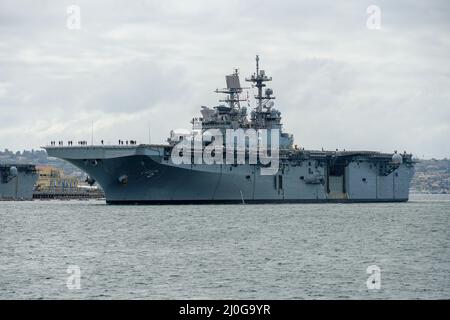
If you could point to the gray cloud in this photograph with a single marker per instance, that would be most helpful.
(339, 85)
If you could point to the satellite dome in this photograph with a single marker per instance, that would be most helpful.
(13, 171)
(397, 159)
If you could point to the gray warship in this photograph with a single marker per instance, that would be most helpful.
(148, 173)
(17, 181)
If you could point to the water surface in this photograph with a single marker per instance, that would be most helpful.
(292, 251)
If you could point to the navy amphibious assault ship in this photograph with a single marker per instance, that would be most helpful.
(17, 181)
(149, 173)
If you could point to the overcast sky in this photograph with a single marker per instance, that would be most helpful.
(135, 64)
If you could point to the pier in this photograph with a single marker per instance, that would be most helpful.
(68, 194)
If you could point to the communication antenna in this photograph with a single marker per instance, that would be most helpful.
(92, 133)
(149, 134)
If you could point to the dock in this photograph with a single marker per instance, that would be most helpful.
(68, 194)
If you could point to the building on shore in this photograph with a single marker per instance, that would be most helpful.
(51, 178)
(52, 183)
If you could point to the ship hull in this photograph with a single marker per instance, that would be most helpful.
(18, 186)
(259, 201)
(142, 175)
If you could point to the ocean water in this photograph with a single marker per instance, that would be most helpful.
(292, 251)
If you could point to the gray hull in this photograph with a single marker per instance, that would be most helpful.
(17, 183)
(141, 174)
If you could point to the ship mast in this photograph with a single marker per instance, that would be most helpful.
(258, 79)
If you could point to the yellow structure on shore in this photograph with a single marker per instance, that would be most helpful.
(54, 178)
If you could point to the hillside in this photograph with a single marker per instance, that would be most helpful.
(432, 176)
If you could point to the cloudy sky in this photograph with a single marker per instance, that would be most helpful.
(139, 64)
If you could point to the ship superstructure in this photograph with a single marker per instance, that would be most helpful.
(148, 173)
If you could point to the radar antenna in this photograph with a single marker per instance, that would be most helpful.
(233, 90)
